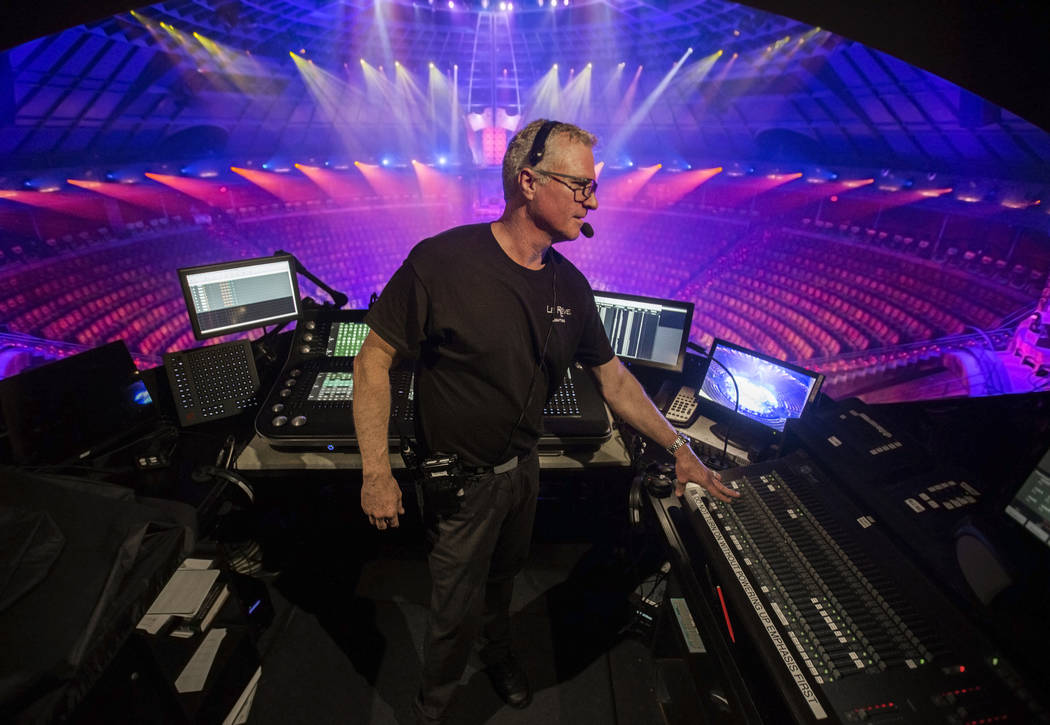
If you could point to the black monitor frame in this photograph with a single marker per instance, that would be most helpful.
(713, 368)
(685, 308)
(1031, 500)
(226, 271)
(74, 407)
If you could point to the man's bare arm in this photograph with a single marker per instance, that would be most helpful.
(380, 492)
(628, 400)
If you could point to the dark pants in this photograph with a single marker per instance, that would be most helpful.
(474, 556)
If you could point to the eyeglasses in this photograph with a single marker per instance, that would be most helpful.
(581, 186)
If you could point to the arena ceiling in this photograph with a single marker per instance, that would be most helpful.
(949, 87)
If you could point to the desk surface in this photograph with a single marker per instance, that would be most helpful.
(701, 430)
(258, 455)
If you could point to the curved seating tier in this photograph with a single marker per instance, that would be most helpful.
(124, 289)
(796, 294)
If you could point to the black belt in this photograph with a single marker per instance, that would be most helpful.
(509, 465)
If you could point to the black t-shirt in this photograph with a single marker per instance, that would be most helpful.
(477, 323)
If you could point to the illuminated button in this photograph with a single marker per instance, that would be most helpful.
(310, 324)
(290, 382)
(279, 421)
(305, 349)
(299, 420)
(307, 337)
(285, 392)
(295, 372)
(277, 407)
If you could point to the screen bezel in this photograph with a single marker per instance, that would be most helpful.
(1020, 511)
(74, 406)
(814, 391)
(186, 272)
(689, 308)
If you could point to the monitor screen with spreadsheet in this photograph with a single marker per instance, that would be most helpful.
(646, 331)
(242, 295)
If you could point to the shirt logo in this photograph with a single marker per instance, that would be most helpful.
(559, 313)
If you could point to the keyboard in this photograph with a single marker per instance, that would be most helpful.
(213, 382)
(564, 402)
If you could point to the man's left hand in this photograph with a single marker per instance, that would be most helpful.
(689, 469)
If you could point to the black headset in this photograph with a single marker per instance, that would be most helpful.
(539, 144)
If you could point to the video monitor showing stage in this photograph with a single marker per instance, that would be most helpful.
(767, 391)
(646, 331)
(1031, 506)
(242, 295)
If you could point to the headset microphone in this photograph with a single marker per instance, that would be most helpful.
(587, 230)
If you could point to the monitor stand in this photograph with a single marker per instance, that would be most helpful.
(745, 437)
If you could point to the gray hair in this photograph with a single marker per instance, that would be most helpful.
(516, 157)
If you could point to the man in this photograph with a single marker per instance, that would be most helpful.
(494, 316)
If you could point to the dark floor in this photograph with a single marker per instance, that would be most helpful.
(350, 611)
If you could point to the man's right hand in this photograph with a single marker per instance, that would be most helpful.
(381, 501)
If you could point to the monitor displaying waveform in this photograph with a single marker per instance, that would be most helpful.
(648, 331)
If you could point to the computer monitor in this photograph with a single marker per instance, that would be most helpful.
(1030, 507)
(242, 295)
(646, 331)
(768, 391)
(69, 409)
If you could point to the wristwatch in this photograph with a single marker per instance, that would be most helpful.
(679, 441)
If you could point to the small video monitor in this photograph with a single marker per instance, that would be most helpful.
(646, 331)
(73, 407)
(767, 391)
(1030, 507)
(242, 295)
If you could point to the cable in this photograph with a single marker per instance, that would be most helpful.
(736, 407)
(736, 390)
(539, 367)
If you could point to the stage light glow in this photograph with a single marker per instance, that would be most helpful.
(150, 196)
(690, 78)
(934, 193)
(337, 100)
(213, 193)
(545, 96)
(625, 132)
(76, 203)
(626, 186)
(623, 108)
(576, 95)
(386, 183)
(341, 187)
(286, 189)
(672, 188)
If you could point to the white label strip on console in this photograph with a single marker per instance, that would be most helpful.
(797, 672)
